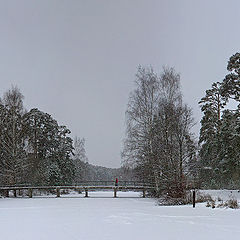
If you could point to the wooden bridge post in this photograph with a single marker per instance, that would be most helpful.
(19, 192)
(6, 193)
(15, 193)
(144, 193)
(30, 192)
(58, 192)
(194, 198)
(115, 192)
(86, 192)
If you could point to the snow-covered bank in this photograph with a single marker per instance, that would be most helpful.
(115, 219)
(223, 194)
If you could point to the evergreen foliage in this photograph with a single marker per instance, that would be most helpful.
(220, 131)
(34, 149)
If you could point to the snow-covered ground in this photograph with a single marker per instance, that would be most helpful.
(124, 218)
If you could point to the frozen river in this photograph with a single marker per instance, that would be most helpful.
(102, 217)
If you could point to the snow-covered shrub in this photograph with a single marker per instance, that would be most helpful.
(200, 198)
(170, 201)
(208, 204)
(232, 203)
(188, 199)
(213, 204)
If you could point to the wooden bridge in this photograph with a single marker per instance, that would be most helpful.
(85, 186)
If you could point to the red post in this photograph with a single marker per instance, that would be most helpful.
(116, 182)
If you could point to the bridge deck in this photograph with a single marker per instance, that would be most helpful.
(79, 188)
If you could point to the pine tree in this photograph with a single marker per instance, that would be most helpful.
(49, 147)
(231, 83)
(229, 151)
(211, 105)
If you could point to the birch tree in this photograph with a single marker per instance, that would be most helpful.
(12, 144)
(158, 129)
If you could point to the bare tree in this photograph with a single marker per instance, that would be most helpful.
(80, 159)
(142, 106)
(79, 149)
(12, 136)
(158, 129)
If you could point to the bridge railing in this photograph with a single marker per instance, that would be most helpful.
(121, 183)
(112, 183)
(81, 186)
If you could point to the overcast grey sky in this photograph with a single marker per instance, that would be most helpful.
(77, 59)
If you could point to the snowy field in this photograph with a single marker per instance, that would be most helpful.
(123, 218)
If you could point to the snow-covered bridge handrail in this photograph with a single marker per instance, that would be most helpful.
(83, 186)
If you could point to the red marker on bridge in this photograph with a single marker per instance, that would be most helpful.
(116, 182)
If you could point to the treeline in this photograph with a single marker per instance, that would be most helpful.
(91, 172)
(220, 130)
